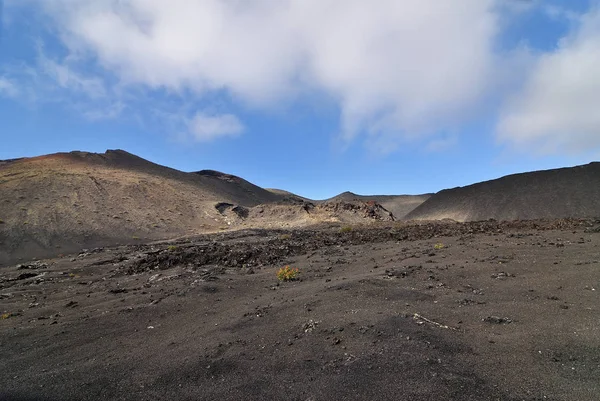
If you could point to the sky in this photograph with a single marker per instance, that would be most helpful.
(316, 97)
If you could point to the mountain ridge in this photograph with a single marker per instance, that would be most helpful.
(63, 202)
(543, 194)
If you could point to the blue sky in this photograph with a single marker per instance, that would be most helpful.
(315, 97)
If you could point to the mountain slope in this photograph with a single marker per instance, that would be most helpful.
(68, 201)
(237, 189)
(558, 193)
(61, 203)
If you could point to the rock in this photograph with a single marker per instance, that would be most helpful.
(497, 320)
(502, 275)
(32, 266)
(310, 326)
(24, 276)
(241, 211)
(593, 229)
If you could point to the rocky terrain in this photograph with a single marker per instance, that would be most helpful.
(432, 311)
(548, 194)
(398, 205)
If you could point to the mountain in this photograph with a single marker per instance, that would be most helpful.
(67, 201)
(63, 202)
(398, 205)
(549, 194)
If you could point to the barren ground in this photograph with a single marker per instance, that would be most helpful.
(493, 312)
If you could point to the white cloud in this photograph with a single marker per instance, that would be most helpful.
(205, 127)
(65, 77)
(557, 110)
(442, 144)
(558, 12)
(8, 88)
(60, 81)
(401, 69)
(109, 112)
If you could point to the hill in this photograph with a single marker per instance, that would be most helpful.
(61, 203)
(548, 194)
(67, 201)
(398, 205)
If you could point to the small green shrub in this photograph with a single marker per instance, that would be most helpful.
(439, 246)
(346, 229)
(284, 237)
(172, 248)
(287, 273)
(1, 221)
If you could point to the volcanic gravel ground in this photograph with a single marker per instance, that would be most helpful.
(436, 311)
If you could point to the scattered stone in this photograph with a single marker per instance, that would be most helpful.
(24, 276)
(502, 275)
(469, 301)
(593, 229)
(497, 320)
(32, 266)
(310, 325)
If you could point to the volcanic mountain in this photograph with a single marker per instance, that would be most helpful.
(548, 194)
(61, 203)
(67, 201)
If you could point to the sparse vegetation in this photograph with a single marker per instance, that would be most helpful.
(288, 273)
(439, 246)
(285, 237)
(346, 229)
(5, 316)
(172, 248)
(1, 221)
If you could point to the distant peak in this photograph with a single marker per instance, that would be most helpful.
(109, 152)
(116, 151)
(219, 175)
(119, 153)
(211, 173)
